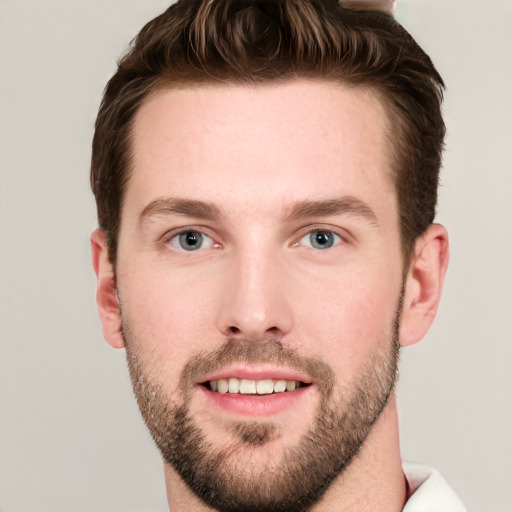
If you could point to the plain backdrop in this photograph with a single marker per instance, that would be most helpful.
(71, 439)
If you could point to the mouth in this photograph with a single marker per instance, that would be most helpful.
(235, 386)
(253, 390)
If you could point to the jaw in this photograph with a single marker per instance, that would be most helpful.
(373, 480)
(235, 453)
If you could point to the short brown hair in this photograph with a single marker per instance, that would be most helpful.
(264, 41)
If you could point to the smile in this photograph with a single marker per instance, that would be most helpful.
(233, 385)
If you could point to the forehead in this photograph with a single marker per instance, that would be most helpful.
(266, 143)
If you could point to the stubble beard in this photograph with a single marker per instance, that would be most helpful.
(223, 477)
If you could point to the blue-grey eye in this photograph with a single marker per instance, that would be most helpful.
(320, 239)
(191, 241)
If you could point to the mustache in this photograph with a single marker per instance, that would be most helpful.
(268, 351)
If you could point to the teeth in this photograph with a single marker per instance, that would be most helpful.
(234, 385)
(280, 386)
(290, 385)
(222, 386)
(264, 387)
(253, 387)
(247, 387)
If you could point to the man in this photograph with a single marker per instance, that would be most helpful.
(266, 177)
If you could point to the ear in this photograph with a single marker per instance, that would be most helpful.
(106, 291)
(424, 283)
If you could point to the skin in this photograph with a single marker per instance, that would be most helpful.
(255, 154)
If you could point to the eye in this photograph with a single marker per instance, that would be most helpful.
(191, 241)
(320, 239)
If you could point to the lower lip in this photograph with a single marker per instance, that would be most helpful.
(255, 405)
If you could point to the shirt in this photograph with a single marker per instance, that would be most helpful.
(429, 491)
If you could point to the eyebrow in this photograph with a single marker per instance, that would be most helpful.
(179, 206)
(338, 206)
(299, 210)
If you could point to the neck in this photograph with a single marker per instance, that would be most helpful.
(373, 481)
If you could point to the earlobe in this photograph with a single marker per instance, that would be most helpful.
(424, 284)
(106, 291)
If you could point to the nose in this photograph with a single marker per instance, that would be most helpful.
(254, 304)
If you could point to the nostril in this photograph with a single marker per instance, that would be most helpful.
(234, 330)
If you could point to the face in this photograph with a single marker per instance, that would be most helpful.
(259, 274)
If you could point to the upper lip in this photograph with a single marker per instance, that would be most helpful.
(251, 372)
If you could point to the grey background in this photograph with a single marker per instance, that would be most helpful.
(70, 434)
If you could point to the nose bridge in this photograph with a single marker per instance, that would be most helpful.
(255, 302)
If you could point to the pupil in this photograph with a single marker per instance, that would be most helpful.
(322, 239)
(190, 240)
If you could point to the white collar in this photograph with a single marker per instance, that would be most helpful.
(429, 491)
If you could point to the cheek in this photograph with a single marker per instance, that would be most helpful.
(167, 313)
(349, 318)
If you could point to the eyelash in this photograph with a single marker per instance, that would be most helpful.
(335, 237)
(174, 238)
